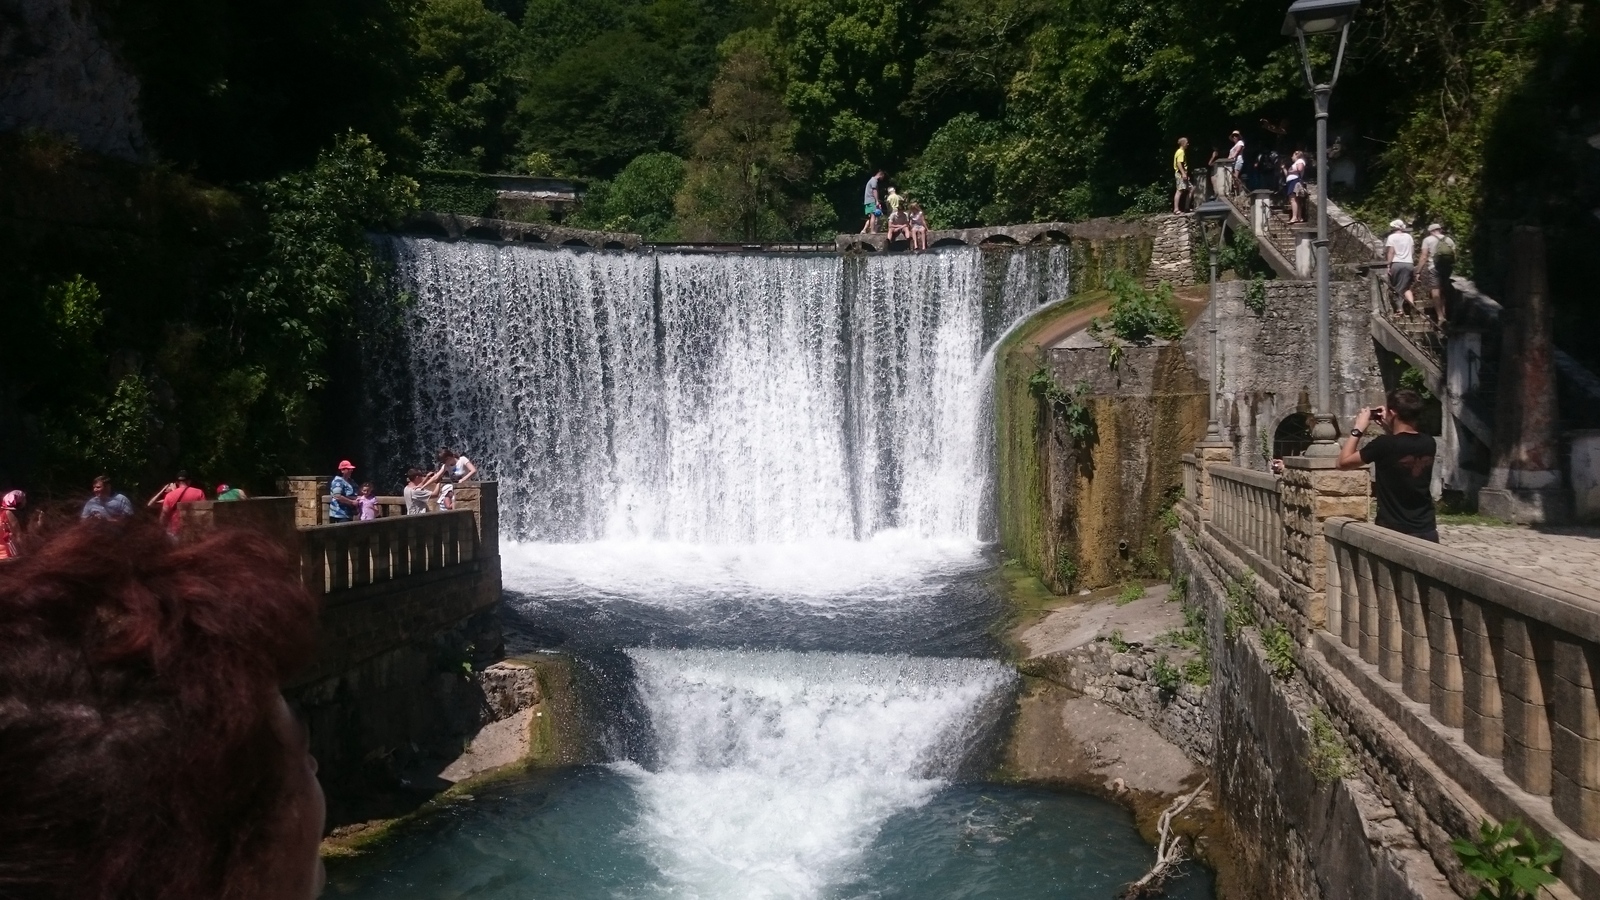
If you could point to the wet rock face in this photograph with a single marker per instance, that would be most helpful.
(58, 74)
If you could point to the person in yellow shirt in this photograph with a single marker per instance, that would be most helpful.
(1180, 172)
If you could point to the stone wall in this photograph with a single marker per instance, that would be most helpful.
(1295, 837)
(1268, 359)
(1094, 501)
(58, 74)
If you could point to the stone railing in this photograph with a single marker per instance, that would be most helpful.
(1191, 481)
(1502, 665)
(355, 554)
(1246, 508)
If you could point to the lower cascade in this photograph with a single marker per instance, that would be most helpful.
(751, 493)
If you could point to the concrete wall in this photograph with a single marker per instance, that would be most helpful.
(1268, 359)
(1096, 502)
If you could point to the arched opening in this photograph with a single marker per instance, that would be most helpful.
(482, 233)
(576, 242)
(1000, 239)
(948, 242)
(529, 237)
(615, 245)
(1292, 436)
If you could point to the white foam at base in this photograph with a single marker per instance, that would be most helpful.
(890, 564)
(776, 770)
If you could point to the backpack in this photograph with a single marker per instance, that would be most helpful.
(1446, 249)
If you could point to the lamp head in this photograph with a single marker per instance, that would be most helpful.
(1309, 17)
(1213, 211)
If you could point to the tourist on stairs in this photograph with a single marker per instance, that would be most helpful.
(1437, 264)
(342, 506)
(1180, 174)
(1399, 249)
(1291, 186)
(1402, 462)
(145, 748)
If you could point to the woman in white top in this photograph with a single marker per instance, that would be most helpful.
(453, 470)
(1291, 186)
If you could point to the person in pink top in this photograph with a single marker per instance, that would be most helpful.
(367, 501)
(179, 490)
(11, 506)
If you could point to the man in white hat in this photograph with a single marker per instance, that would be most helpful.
(1437, 264)
(1399, 250)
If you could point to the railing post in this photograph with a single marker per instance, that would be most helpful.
(1484, 713)
(1312, 491)
(1415, 660)
(1575, 737)
(1444, 647)
(1209, 455)
(1525, 673)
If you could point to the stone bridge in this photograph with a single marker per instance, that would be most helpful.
(1459, 684)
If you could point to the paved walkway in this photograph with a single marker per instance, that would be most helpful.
(1565, 557)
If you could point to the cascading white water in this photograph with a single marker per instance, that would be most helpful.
(709, 399)
(776, 769)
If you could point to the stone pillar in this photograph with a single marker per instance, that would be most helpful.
(483, 498)
(1525, 485)
(1219, 454)
(307, 491)
(1305, 257)
(1312, 491)
(1260, 210)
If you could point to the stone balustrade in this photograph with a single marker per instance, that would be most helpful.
(1191, 481)
(1508, 665)
(1246, 507)
(355, 554)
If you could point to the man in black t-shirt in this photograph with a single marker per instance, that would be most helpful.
(1402, 462)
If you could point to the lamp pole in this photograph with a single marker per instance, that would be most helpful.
(1214, 214)
(1322, 17)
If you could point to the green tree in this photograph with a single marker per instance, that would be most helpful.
(639, 199)
(465, 55)
(742, 166)
(953, 177)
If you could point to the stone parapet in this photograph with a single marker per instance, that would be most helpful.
(1312, 491)
(307, 491)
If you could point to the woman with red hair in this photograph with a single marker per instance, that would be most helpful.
(146, 752)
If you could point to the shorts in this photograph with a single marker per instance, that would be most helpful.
(871, 209)
(1183, 183)
(1400, 276)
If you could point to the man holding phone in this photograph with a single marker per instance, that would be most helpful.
(1402, 461)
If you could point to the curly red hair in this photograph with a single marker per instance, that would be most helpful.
(138, 685)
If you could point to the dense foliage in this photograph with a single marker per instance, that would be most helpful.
(203, 323)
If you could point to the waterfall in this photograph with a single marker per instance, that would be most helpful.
(775, 770)
(704, 398)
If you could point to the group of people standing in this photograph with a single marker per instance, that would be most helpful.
(1431, 270)
(906, 220)
(106, 504)
(349, 503)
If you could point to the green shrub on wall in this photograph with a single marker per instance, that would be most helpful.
(461, 193)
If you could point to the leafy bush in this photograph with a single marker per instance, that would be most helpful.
(1067, 405)
(1330, 759)
(1255, 295)
(1137, 314)
(1166, 675)
(1118, 644)
(1509, 860)
(1130, 592)
(1279, 646)
(1197, 671)
(1066, 571)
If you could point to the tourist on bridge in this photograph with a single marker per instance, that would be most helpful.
(453, 470)
(147, 749)
(919, 227)
(1399, 252)
(367, 502)
(104, 503)
(226, 494)
(342, 506)
(1180, 174)
(1402, 462)
(176, 491)
(11, 507)
(417, 491)
(899, 225)
(871, 204)
(1437, 264)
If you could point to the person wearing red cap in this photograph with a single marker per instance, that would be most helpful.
(342, 506)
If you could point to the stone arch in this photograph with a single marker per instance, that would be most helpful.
(614, 245)
(482, 232)
(529, 237)
(576, 242)
(1000, 239)
(1292, 435)
(948, 242)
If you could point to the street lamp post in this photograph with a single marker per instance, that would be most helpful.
(1213, 215)
(1310, 18)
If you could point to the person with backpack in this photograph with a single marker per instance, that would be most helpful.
(1438, 263)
